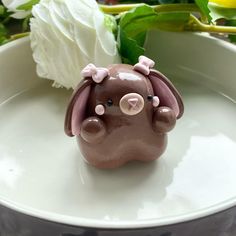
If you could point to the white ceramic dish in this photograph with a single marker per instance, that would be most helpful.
(43, 175)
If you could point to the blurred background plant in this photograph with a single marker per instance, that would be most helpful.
(12, 25)
(15, 15)
(4, 24)
(150, 2)
(67, 34)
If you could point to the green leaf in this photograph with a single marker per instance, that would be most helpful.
(144, 18)
(150, 2)
(2, 10)
(134, 25)
(3, 30)
(3, 34)
(28, 6)
(232, 37)
(141, 38)
(25, 23)
(132, 35)
(203, 5)
(174, 21)
(128, 48)
(219, 12)
(137, 12)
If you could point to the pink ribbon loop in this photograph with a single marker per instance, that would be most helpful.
(98, 74)
(144, 65)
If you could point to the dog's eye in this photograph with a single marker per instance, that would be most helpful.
(109, 102)
(149, 97)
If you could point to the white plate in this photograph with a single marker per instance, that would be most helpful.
(42, 172)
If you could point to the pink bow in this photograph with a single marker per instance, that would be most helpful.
(144, 65)
(97, 74)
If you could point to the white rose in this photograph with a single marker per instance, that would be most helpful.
(66, 35)
(12, 6)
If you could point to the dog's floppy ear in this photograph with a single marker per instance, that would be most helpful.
(166, 92)
(76, 109)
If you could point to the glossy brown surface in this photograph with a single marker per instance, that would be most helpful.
(131, 128)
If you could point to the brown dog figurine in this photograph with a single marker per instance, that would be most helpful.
(122, 113)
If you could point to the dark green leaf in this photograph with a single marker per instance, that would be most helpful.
(2, 10)
(128, 48)
(25, 23)
(28, 6)
(203, 5)
(3, 34)
(131, 35)
(135, 24)
(232, 37)
(3, 30)
(141, 37)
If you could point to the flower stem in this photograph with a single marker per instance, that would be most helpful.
(116, 9)
(197, 26)
(193, 25)
(17, 36)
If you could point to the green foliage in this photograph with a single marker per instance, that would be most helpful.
(219, 12)
(134, 25)
(11, 28)
(3, 29)
(25, 23)
(154, 2)
(2, 10)
(3, 13)
(3, 34)
(129, 48)
(28, 6)
(130, 37)
(203, 5)
(130, 27)
(232, 37)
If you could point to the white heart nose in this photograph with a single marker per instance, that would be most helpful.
(131, 103)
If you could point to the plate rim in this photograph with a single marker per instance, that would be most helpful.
(124, 224)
